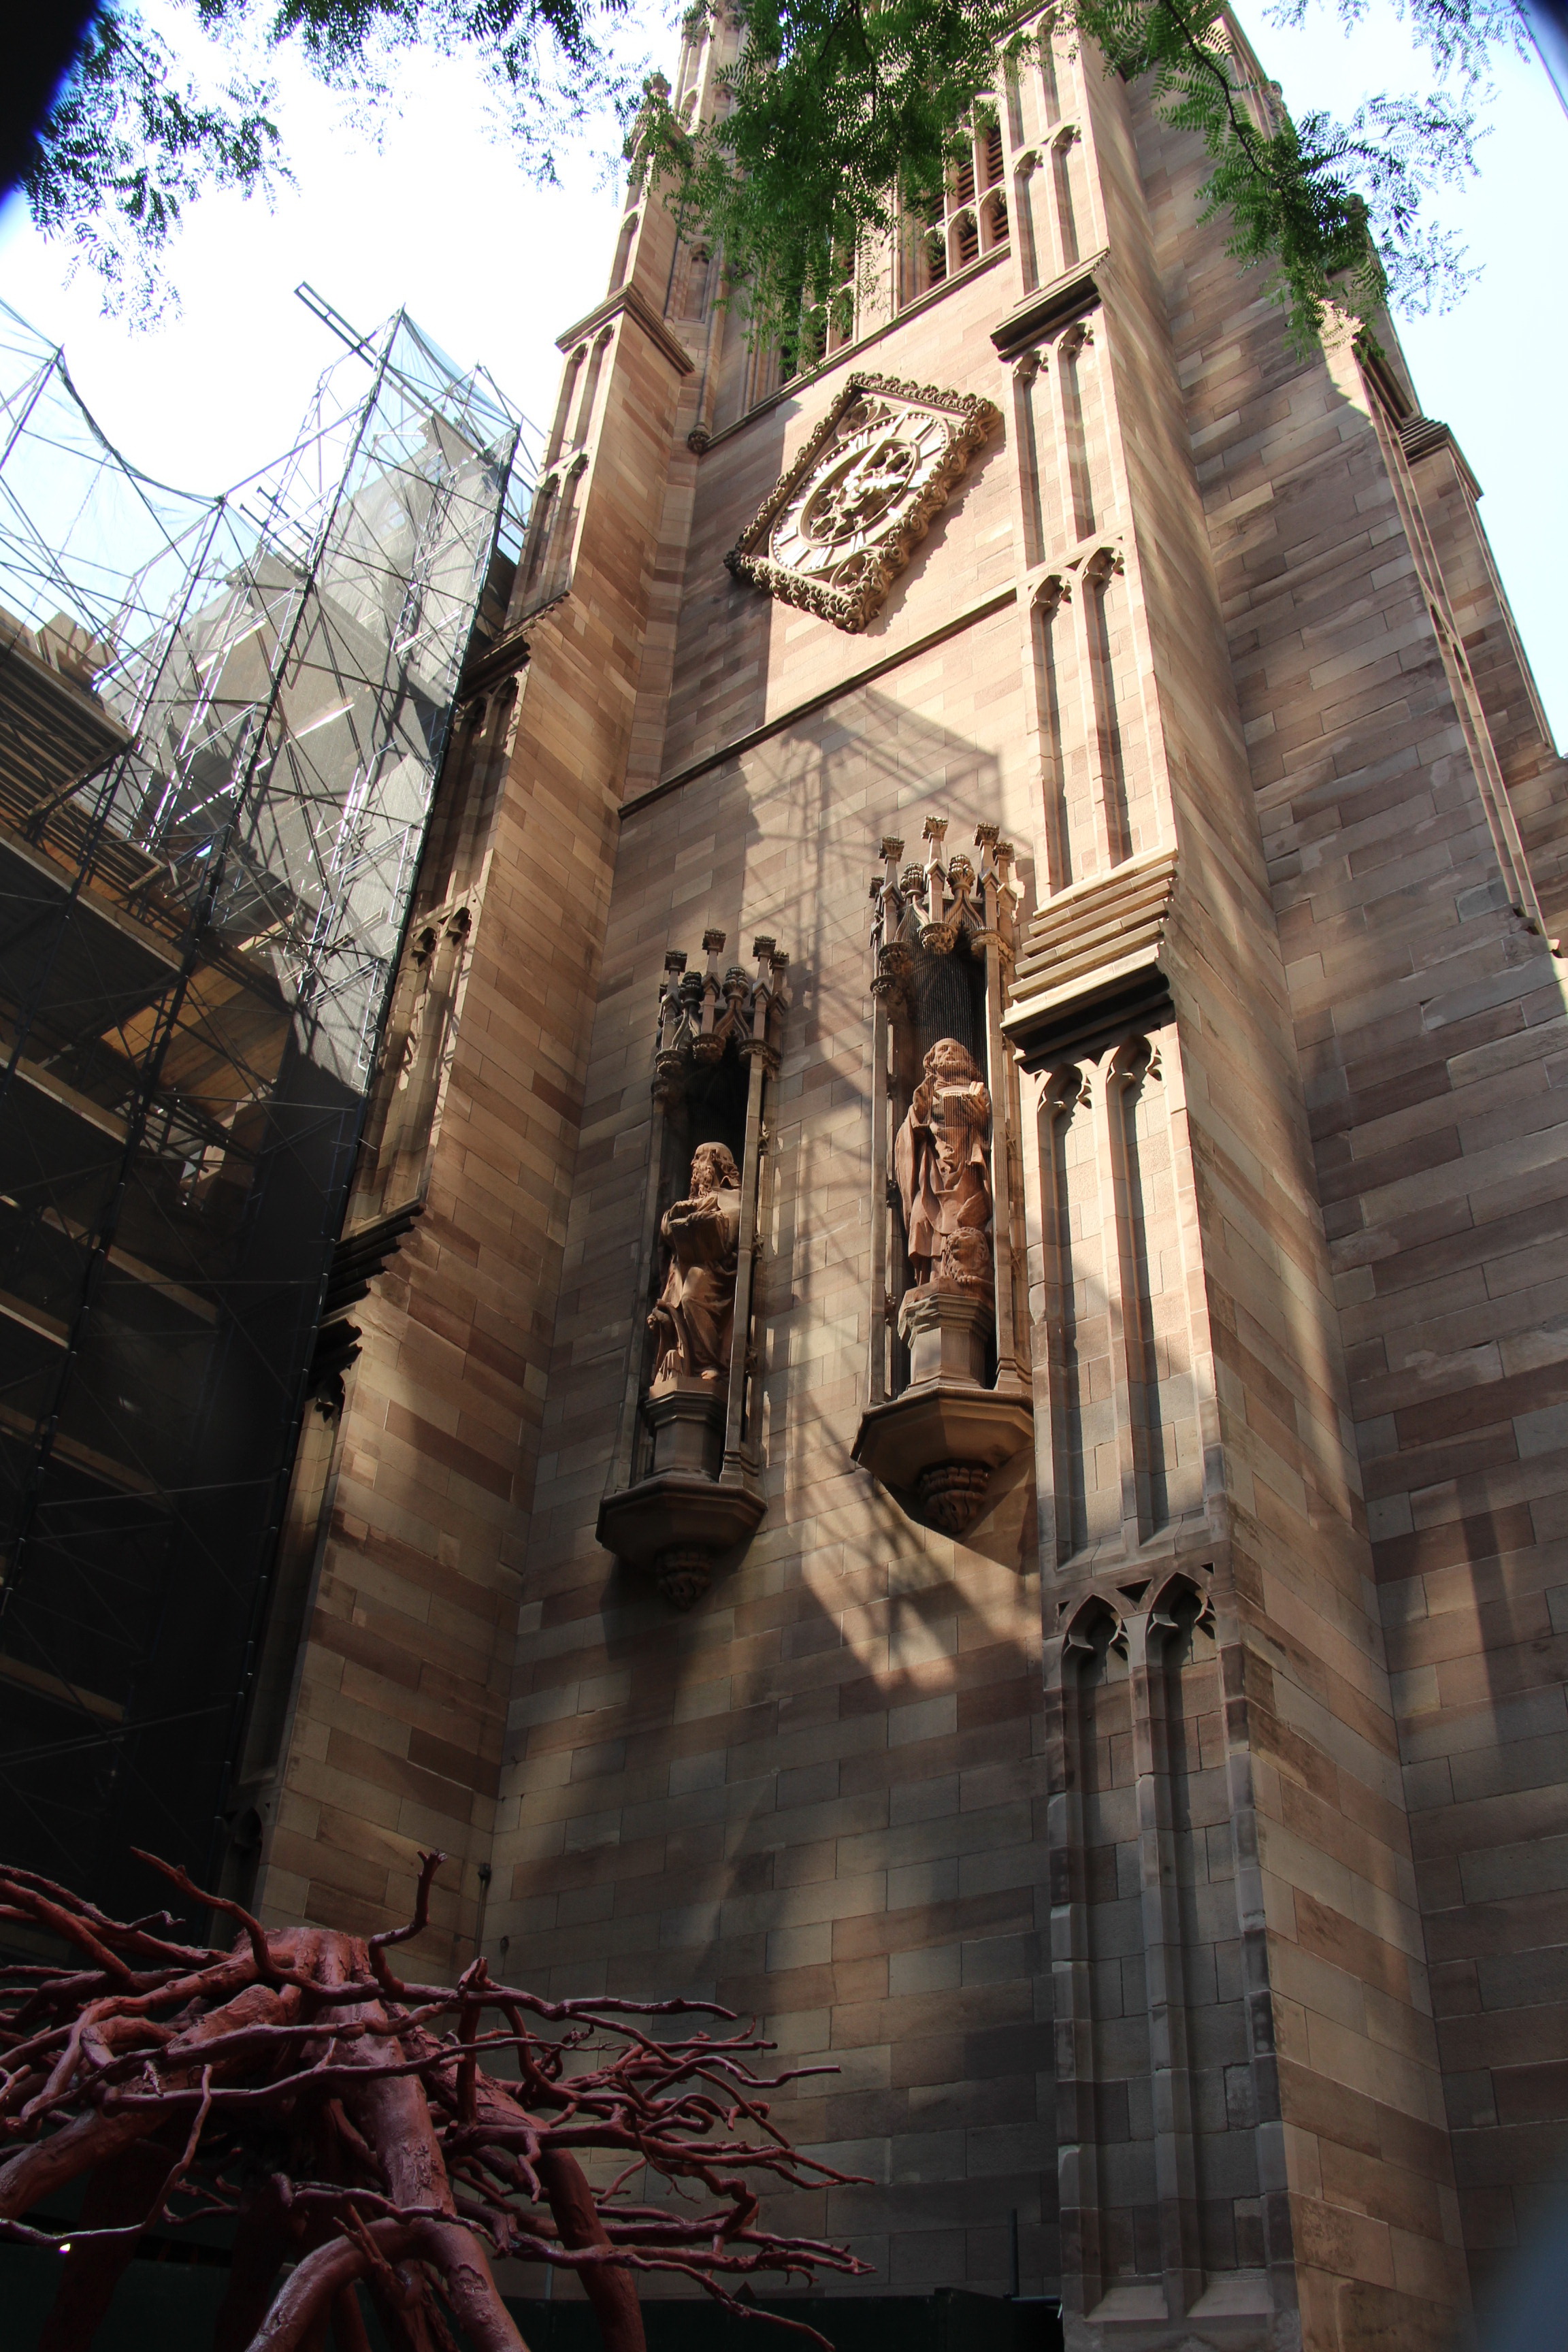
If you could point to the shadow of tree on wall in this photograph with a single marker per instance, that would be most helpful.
(818, 1797)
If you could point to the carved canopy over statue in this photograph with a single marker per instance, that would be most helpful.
(947, 1402)
(685, 1487)
(694, 1319)
(938, 1159)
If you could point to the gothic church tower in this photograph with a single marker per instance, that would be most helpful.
(1060, 1615)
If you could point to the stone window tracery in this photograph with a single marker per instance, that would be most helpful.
(540, 529)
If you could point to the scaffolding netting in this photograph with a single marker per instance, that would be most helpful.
(221, 721)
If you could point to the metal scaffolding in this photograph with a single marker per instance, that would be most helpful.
(221, 722)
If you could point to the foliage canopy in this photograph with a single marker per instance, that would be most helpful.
(836, 105)
(838, 112)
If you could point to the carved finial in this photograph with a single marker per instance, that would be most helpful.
(985, 843)
(769, 997)
(675, 962)
(892, 846)
(934, 829)
(711, 1045)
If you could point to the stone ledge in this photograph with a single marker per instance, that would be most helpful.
(1093, 961)
(1078, 289)
(635, 306)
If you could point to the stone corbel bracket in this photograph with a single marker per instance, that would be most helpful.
(968, 420)
(1092, 964)
(685, 1485)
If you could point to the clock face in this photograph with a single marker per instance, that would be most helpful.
(856, 494)
(834, 533)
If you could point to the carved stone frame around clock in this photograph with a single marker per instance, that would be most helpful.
(969, 419)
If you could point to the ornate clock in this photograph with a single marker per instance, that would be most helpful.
(840, 524)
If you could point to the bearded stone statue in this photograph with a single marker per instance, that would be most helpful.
(938, 1159)
(695, 1315)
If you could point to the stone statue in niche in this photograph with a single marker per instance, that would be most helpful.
(694, 1319)
(938, 1159)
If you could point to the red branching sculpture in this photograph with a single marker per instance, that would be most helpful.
(350, 2123)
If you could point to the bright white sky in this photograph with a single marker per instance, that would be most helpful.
(440, 221)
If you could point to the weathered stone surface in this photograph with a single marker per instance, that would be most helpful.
(1178, 1856)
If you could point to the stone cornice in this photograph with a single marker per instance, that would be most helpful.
(627, 302)
(1093, 961)
(1052, 306)
(500, 661)
(1419, 436)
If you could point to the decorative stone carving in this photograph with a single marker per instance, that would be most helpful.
(696, 1310)
(837, 528)
(947, 1405)
(939, 1158)
(686, 1485)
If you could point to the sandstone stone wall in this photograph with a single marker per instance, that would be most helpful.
(1427, 1010)
(395, 1735)
(1171, 1863)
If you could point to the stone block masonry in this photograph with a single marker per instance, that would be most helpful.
(1174, 1862)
